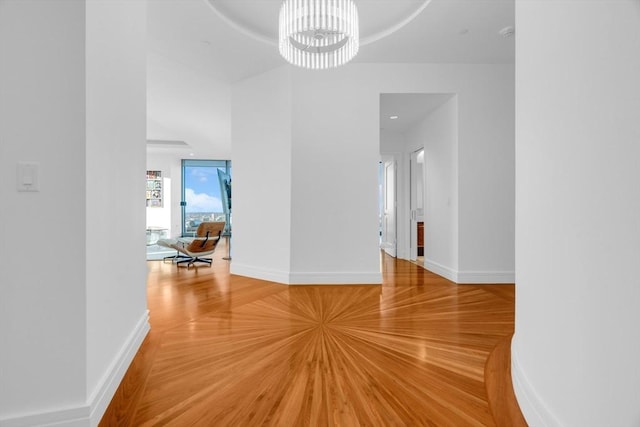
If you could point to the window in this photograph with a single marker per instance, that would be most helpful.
(202, 196)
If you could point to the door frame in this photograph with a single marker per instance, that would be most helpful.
(389, 241)
(416, 194)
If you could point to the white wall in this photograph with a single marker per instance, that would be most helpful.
(392, 147)
(334, 180)
(261, 158)
(115, 169)
(42, 297)
(335, 146)
(486, 181)
(576, 348)
(187, 104)
(72, 300)
(438, 134)
(170, 215)
(485, 97)
(390, 141)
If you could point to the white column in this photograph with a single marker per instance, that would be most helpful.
(577, 342)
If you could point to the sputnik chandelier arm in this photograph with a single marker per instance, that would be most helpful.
(318, 34)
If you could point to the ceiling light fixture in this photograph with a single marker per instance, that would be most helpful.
(318, 34)
(393, 117)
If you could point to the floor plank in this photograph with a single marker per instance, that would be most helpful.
(503, 403)
(227, 350)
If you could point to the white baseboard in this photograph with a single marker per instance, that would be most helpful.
(324, 278)
(89, 415)
(68, 417)
(441, 270)
(336, 278)
(470, 277)
(486, 277)
(102, 395)
(531, 405)
(260, 273)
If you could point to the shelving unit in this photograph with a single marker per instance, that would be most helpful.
(154, 189)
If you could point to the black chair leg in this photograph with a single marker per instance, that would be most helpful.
(197, 259)
(175, 257)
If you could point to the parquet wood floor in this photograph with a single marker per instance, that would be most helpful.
(232, 351)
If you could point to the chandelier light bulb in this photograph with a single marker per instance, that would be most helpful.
(318, 34)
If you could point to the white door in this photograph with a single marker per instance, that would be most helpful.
(389, 208)
(416, 200)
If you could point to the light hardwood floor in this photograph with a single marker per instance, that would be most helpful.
(232, 351)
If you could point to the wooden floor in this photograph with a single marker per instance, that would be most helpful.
(232, 351)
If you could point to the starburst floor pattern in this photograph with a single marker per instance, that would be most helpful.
(231, 351)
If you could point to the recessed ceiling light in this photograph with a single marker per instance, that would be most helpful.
(191, 154)
(393, 117)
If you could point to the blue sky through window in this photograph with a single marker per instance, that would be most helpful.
(202, 190)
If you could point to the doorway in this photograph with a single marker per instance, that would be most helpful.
(389, 204)
(416, 206)
(419, 132)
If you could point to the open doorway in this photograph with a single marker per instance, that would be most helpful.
(416, 206)
(418, 135)
(388, 179)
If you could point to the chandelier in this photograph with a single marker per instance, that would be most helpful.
(318, 34)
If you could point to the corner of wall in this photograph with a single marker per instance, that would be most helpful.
(441, 270)
(270, 275)
(470, 277)
(486, 277)
(102, 395)
(68, 417)
(90, 413)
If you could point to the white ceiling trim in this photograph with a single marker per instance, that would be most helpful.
(384, 33)
(257, 35)
(242, 28)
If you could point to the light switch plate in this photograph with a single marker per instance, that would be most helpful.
(28, 176)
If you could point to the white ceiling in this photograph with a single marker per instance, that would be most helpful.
(198, 48)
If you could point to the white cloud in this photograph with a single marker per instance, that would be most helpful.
(201, 174)
(201, 202)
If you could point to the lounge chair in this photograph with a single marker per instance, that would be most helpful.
(192, 250)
